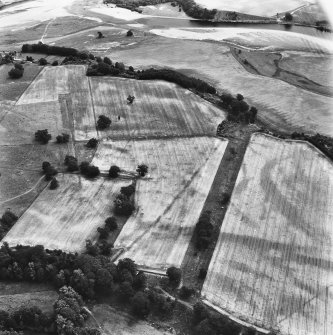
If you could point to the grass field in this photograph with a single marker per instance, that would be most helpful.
(114, 321)
(66, 217)
(273, 260)
(169, 200)
(160, 109)
(15, 295)
(43, 300)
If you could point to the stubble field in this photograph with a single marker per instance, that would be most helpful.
(66, 217)
(272, 264)
(169, 200)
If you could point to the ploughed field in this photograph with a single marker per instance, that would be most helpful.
(169, 199)
(272, 265)
(66, 217)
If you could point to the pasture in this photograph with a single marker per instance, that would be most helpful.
(66, 217)
(160, 109)
(169, 199)
(272, 263)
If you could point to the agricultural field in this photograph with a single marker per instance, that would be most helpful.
(169, 200)
(63, 94)
(215, 63)
(291, 67)
(12, 89)
(272, 263)
(66, 217)
(160, 109)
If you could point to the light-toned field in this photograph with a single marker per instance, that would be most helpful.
(66, 217)
(258, 7)
(114, 321)
(257, 39)
(281, 105)
(160, 109)
(272, 265)
(61, 94)
(169, 200)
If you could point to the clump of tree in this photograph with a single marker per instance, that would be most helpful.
(49, 170)
(63, 138)
(17, 71)
(55, 63)
(177, 78)
(288, 17)
(202, 274)
(42, 136)
(103, 122)
(191, 8)
(142, 170)
(110, 225)
(238, 109)
(25, 317)
(175, 275)
(140, 304)
(54, 184)
(159, 304)
(92, 143)
(71, 163)
(130, 99)
(7, 221)
(42, 61)
(104, 67)
(129, 33)
(114, 171)
(88, 170)
(123, 204)
(186, 292)
(70, 314)
(49, 49)
(203, 231)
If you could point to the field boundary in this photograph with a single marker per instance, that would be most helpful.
(295, 141)
(93, 105)
(234, 318)
(32, 81)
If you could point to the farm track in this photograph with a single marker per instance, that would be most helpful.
(224, 182)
